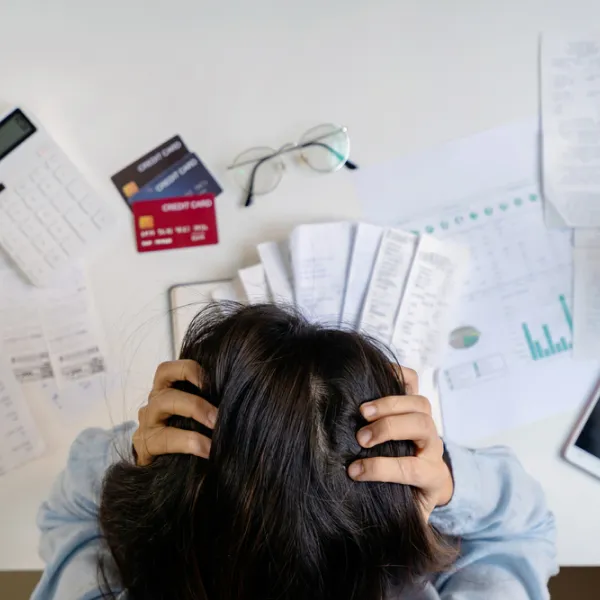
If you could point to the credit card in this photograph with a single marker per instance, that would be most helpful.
(175, 223)
(133, 178)
(188, 177)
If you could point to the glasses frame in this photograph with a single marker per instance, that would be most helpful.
(294, 147)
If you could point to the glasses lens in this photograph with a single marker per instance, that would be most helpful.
(325, 147)
(268, 173)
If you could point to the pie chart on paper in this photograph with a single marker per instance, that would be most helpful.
(464, 337)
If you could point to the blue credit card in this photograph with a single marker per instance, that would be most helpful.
(185, 178)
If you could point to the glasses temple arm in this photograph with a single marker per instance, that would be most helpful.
(347, 162)
(250, 195)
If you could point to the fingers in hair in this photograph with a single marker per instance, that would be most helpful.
(408, 470)
(177, 370)
(170, 401)
(395, 405)
(416, 427)
(172, 440)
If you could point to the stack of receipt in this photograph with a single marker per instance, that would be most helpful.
(393, 285)
(51, 349)
(570, 101)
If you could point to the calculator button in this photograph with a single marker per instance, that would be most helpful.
(90, 205)
(60, 230)
(35, 200)
(80, 222)
(62, 202)
(12, 239)
(7, 199)
(50, 187)
(55, 257)
(32, 228)
(53, 162)
(47, 216)
(65, 175)
(25, 188)
(71, 244)
(102, 219)
(78, 190)
(43, 242)
(39, 175)
(46, 152)
(18, 211)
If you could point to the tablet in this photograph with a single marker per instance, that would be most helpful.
(583, 447)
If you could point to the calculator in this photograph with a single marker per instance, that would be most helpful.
(49, 216)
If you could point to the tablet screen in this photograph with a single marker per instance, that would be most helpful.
(589, 438)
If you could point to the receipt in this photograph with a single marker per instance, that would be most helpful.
(367, 239)
(432, 291)
(22, 341)
(20, 440)
(275, 259)
(570, 97)
(72, 333)
(254, 283)
(586, 238)
(586, 302)
(320, 257)
(387, 284)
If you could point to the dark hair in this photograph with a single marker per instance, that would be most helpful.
(272, 514)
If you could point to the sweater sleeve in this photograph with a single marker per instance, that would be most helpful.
(507, 533)
(71, 543)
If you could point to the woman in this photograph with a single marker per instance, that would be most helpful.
(297, 463)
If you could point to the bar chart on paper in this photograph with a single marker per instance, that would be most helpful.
(515, 311)
(550, 344)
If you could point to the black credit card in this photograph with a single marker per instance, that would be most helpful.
(130, 180)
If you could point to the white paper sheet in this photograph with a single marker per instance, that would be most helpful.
(387, 284)
(429, 302)
(72, 331)
(367, 239)
(275, 259)
(51, 338)
(20, 440)
(570, 94)
(586, 238)
(586, 334)
(231, 291)
(519, 274)
(254, 283)
(514, 328)
(320, 257)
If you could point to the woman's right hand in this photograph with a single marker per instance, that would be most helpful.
(153, 436)
(405, 418)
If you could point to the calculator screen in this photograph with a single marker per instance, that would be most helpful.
(16, 128)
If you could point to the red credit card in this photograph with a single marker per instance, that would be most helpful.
(175, 223)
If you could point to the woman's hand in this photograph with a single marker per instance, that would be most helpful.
(153, 437)
(405, 418)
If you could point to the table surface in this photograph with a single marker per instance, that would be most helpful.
(111, 80)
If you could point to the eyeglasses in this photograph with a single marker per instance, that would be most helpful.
(324, 148)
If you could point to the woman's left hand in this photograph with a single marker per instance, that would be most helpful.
(405, 418)
(153, 436)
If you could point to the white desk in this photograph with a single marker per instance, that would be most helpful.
(112, 79)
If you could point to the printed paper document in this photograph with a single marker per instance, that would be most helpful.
(509, 354)
(570, 99)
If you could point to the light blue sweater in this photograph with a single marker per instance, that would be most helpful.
(508, 535)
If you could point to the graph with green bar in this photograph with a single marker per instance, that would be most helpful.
(548, 345)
